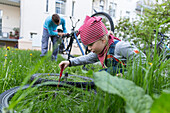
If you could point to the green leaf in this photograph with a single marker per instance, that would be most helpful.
(84, 71)
(28, 110)
(161, 105)
(136, 99)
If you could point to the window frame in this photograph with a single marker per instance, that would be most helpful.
(1, 12)
(112, 9)
(60, 7)
(47, 7)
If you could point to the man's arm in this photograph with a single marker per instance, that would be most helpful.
(51, 31)
(63, 25)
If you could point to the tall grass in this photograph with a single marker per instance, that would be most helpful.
(16, 67)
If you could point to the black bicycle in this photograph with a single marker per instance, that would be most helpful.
(66, 81)
(161, 46)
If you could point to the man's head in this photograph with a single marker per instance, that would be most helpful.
(56, 19)
(92, 30)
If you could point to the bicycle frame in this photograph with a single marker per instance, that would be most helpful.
(73, 35)
(161, 40)
(69, 47)
(161, 47)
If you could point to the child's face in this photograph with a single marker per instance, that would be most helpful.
(98, 46)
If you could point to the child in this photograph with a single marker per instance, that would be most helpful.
(109, 50)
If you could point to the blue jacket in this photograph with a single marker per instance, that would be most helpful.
(52, 27)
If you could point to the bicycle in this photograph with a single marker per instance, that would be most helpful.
(159, 53)
(66, 80)
(161, 47)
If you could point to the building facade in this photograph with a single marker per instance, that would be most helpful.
(29, 15)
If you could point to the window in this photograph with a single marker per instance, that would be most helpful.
(138, 5)
(127, 14)
(73, 2)
(0, 22)
(101, 5)
(112, 9)
(46, 5)
(60, 6)
(17, 1)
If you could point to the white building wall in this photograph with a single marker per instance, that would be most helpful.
(10, 18)
(122, 7)
(33, 15)
(81, 9)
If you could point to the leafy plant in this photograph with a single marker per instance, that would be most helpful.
(140, 30)
(135, 98)
(161, 105)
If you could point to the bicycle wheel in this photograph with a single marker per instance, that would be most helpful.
(74, 80)
(6, 96)
(106, 19)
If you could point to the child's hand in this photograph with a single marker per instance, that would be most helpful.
(64, 63)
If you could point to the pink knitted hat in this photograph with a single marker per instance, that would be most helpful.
(92, 30)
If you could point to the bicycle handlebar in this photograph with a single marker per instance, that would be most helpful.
(73, 26)
(69, 34)
(160, 34)
(66, 35)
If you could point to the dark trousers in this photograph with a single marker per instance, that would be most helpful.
(44, 46)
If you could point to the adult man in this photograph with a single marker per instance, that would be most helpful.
(50, 30)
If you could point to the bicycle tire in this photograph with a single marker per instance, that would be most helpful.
(108, 20)
(77, 84)
(7, 95)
